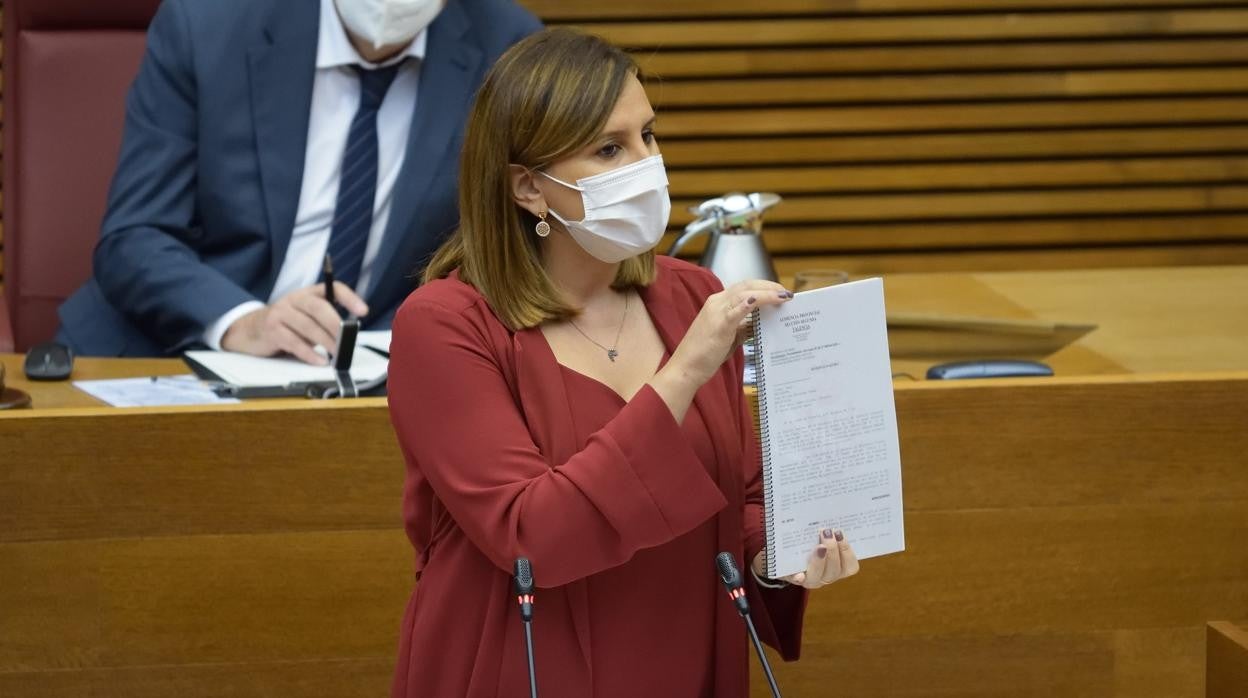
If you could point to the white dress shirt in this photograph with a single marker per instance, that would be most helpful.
(335, 99)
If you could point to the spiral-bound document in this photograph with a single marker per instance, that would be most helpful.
(827, 424)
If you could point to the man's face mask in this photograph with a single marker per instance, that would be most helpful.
(387, 22)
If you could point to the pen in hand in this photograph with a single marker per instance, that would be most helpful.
(327, 276)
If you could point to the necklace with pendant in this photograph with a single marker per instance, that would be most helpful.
(611, 350)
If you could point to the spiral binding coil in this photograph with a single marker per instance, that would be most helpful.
(764, 445)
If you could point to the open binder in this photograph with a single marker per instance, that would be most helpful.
(356, 370)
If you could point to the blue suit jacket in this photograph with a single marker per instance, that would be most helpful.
(204, 198)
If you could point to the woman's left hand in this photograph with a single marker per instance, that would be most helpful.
(833, 559)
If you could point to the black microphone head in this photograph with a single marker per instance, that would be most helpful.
(524, 576)
(728, 573)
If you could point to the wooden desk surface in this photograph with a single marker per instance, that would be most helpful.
(1150, 320)
(63, 394)
(1155, 320)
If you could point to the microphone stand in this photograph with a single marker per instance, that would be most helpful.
(731, 577)
(524, 597)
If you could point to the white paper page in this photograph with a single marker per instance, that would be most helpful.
(156, 391)
(375, 339)
(253, 371)
(831, 423)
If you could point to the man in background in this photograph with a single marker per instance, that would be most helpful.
(262, 136)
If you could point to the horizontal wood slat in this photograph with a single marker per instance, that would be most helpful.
(559, 10)
(954, 117)
(936, 88)
(1018, 204)
(923, 29)
(923, 58)
(1067, 256)
(163, 600)
(331, 676)
(907, 147)
(240, 476)
(934, 236)
(210, 599)
(1108, 579)
(921, 177)
(1136, 663)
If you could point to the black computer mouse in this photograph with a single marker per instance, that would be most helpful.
(49, 362)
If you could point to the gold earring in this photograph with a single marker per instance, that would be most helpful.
(543, 228)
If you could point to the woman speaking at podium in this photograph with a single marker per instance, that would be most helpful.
(561, 393)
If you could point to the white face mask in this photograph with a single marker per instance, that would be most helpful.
(387, 22)
(626, 210)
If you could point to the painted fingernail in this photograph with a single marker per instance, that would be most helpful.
(827, 533)
(839, 536)
(821, 551)
(750, 300)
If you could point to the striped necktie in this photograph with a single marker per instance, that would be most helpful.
(357, 183)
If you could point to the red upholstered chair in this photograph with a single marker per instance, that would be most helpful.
(67, 67)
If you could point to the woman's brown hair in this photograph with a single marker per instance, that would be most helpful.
(546, 98)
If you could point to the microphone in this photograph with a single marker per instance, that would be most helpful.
(524, 588)
(731, 577)
(524, 597)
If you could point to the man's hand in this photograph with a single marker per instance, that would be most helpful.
(296, 324)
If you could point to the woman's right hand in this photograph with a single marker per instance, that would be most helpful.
(711, 339)
(716, 331)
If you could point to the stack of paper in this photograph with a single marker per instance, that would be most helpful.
(246, 371)
(156, 391)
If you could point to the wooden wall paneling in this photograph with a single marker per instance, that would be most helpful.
(203, 599)
(1084, 586)
(955, 131)
(1143, 663)
(222, 473)
(1091, 524)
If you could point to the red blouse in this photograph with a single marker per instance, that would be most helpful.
(620, 509)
